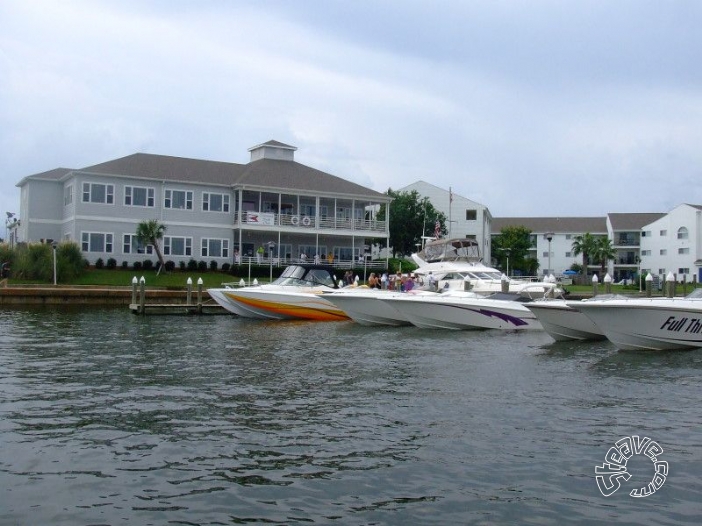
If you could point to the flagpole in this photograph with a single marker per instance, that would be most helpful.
(450, 201)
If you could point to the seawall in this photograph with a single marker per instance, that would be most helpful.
(88, 295)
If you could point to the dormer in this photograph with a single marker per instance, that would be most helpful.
(273, 150)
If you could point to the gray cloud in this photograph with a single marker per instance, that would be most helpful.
(536, 108)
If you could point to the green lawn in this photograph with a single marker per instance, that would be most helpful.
(174, 280)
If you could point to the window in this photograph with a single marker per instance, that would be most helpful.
(545, 254)
(98, 193)
(569, 254)
(664, 252)
(568, 236)
(215, 248)
(471, 215)
(645, 252)
(177, 246)
(661, 271)
(179, 199)
(68, 195)
(307, 210)
(682, 233)
(96, 242)
(663, 233)
(215, 202)
(683, 271)
(131, 245)
(646, 233)
(685, 250)
(138, 196)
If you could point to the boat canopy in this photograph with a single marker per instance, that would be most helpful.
(450, 250)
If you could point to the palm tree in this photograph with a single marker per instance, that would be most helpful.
(585, 245)
(604, 251)
(149, 233)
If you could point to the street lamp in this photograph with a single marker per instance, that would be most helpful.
(549, 237)
(271, 246)
(10, 215)
(54, 244)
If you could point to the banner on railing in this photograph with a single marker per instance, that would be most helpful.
(260, 218)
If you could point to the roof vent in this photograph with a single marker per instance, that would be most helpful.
(273, 150)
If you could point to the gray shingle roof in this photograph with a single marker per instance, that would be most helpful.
(52, 175)
(632, 221)
(262, 173)
(572, 225)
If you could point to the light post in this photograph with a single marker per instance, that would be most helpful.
(507, 252)
(549, 237)
(10, 215)
(271, 246)
(53, 246)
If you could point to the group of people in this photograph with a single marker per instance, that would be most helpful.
(398, 282)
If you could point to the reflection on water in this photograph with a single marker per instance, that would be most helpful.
(109, 418)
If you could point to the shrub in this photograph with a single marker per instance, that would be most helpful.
(34, 261)
(181, 265)
(192, 265)
(225, 267)
(69, 261)
(99, 263)
(137, 265)
(202, 266)
(125, 265)
(213, 265)
(111, 263)
(148, 264)
(170, 265)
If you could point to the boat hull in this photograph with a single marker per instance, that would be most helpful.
(277, 305)
(656, 324)
(464, 313)
(563, 323)
(365, 308)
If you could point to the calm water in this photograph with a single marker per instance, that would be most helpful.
(110, 418)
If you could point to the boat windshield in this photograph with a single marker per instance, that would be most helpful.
(298, 276)
(451, 250)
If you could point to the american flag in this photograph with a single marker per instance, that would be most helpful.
(437, 229)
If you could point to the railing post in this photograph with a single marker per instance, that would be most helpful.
(595, 283)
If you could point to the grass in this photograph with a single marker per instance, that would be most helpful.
(123, 278)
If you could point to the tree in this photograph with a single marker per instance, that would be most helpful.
(585, 245)
(515, 242)
(603, 252)
(411, 217)
(150, 233)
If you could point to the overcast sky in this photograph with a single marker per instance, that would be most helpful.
(531, 108)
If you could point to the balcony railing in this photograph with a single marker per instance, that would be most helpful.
(303, 222)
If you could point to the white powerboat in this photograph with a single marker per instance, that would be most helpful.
(647, 323)
(460, 310)
(299, 293)
(457, 264)
(562, 322)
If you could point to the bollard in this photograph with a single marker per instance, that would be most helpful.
(595, 282)
(189, 296)
(135, 281)
(199, 291)
(608, 283)
(142, 295)
(649, 285)
(504, 281)
(670, 285)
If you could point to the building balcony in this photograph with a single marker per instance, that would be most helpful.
(308, 223)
